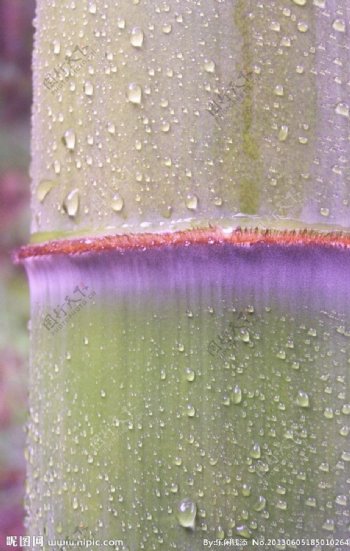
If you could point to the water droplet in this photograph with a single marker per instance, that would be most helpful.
(226, 400)
(324, 211)
(88, 88)
(92, 8)
(281, 504)
(311, 502)
(255, 451)
(275, 26)
(345, 456)
(190, 375)
(69, 139)
(190, 410)
(243, 531)
(134, 93)
(328, 413)
(339, 25)
(165, 126)
(260, 504)
(56, 47)
(186, 513)
(302, 27)
(192, 202)
(342, 109)
(237, 395)
(103, 393)
(341, 500)
(71, 203)
(346, 409)
(136, 37)
(44, 188)
(283, 133)
(121, 23)
(111, 128)
(300, 2)
(57, 166)
(285, 41)
(302, 399)
(209, 66)
(75, 503)
(279, 90)
(117, 203)
(167, 28)
(328, 525)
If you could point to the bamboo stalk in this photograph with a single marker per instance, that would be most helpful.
(188, 386)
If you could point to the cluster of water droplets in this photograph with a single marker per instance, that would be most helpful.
(223, 436)
(180, 132)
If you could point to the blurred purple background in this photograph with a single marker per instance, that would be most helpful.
(16, 34)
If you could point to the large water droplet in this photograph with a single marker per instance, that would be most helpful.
(192, 202)
(165, 126)
(92, 8)
(187, 510)
(243, 531)
(329, 525)
(167, 28)
(71, 203)
(69, 139)
(279, 90)
(302, 27)
(111, 128)
(88, 88)
(260, 504)
(209, 66)
(44, 188)
(302, 400)
(255, 451)
(324, 211)
(190, 375)
(342, 109)
(134, 93)
(56, 47)
(237, 395)
(339, 25)
(136, 37)
(283, 133)
(57, 166)
(121, 23)
(117, 203)
(191, 412)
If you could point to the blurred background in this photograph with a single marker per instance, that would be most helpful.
(16, 38)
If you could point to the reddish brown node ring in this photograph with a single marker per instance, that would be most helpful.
(208, 236)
